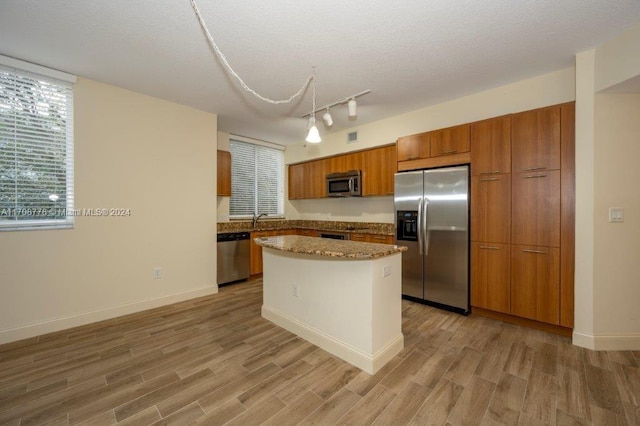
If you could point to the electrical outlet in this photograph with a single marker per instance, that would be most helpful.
(294, 290)
(157, 273)
(386, 271)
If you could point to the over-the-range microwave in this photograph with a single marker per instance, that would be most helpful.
(347, 184)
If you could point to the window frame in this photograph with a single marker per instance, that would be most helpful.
(65, 80)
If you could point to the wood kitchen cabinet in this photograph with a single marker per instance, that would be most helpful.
(296, 181)
(372, 238)
(255, 252)
(344, 163)
(413, 147)
(449, 141)
(379, 168)
(491, 276)
(535, 286)
(536, 203)
(316, 179)
(224, 173)
(491, 146)
(535, 140)
(567, 213)
(307, 180)
(307, 232)
(491, 208)
(535, 207)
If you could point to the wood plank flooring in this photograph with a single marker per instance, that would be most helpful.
(215, 360)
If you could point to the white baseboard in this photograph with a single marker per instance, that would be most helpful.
(369, 363)
(616, 342)
(64, 323)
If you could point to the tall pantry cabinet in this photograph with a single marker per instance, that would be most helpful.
(523, 215)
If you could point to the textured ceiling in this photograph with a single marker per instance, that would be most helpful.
(409, 53)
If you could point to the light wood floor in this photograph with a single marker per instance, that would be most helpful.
(214, 360)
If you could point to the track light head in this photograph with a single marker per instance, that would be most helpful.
(326, 117)
(352, 107)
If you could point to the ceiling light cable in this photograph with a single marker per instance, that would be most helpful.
(244, 85)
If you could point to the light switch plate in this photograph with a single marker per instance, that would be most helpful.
(616, 214)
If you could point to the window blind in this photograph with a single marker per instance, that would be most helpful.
(36, 150)
(257, 180)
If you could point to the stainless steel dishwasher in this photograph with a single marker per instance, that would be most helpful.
(233, 257)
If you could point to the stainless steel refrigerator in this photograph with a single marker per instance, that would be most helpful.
(432, 220)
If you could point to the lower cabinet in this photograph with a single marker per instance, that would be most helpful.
(535, 283)
(307, 232)
(522, 281)
(256, 250)
(372, 238)
(491, 276)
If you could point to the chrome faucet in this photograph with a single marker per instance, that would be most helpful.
(255, 218)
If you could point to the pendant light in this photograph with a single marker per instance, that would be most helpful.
(313, 136)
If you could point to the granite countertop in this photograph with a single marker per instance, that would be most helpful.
(316, 225)
(329, 247)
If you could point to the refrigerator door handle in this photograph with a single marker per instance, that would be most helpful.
(426, 226)
(420, 226)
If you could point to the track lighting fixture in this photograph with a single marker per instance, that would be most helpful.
(352, 107)
(326, 117)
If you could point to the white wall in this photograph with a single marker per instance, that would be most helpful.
(607, 147)
(548, 89)
(131, 151)
(616, 270)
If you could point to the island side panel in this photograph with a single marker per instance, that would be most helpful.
(334, 294)
(346, 306)
(387, 302)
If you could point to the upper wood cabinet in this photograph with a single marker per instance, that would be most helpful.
(535, 140)
(491, 146)
(296, 181)
(379, 168)
(491, 208)
(224, 173)
(343, 163)
(449, 141)
(413, 147)
(307, 180)
(535, 206)
(315, 177)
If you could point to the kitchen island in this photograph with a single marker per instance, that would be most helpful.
(342, 296)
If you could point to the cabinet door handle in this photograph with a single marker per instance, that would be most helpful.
(488, 179)
(534, 251)
(533, 176)
(379, 238)
(493, 172)
(531, 169)
(489, 248)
